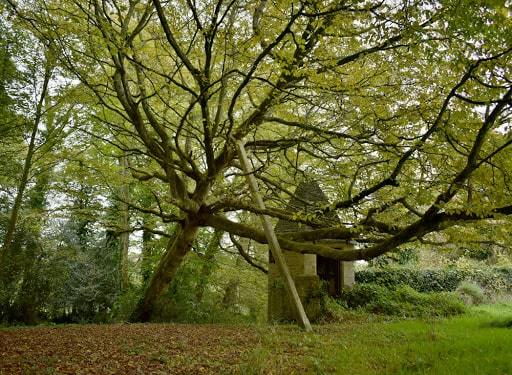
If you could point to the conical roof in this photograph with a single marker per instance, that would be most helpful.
(308, 198)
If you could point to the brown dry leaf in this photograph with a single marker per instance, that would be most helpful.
(124, 349)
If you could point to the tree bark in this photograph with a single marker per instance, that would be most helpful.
(176, 250)
(124, 237)
(147, 251)
(231, 294)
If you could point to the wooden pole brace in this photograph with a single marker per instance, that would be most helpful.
(275, 248)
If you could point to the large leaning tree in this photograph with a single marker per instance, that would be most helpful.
(399, 109)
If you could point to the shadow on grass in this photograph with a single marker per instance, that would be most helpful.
(502, 323)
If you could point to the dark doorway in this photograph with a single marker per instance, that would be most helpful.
(328, 270)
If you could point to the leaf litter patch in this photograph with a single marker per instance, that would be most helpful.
(125, 349)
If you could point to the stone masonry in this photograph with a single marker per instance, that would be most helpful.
(310, 272)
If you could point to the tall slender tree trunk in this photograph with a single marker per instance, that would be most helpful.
(176, 250)
(124, 238)
(147, 250)
(208, 262)
(13, 219)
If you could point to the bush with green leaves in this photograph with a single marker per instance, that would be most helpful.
(471, 293)
(402, 301)
(333, 310)
(493, 280)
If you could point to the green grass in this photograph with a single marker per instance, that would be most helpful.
(479, 342)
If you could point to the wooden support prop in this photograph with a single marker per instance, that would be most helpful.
(275, 248)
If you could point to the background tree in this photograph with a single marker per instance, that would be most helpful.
(32, 126)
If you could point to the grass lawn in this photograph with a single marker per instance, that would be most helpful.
(477, 343)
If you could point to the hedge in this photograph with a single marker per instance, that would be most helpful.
(402, 301)
(492, 279)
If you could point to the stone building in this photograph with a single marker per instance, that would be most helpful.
(313, 274)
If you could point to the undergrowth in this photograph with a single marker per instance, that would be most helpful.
(402, 301)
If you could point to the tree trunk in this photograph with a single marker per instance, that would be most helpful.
(124, 237)
(173, 257)
(208, 262)
(13, 219)
(27, 303)
(231, 294)
(147, 251)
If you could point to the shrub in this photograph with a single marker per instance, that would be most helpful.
(402, 301)
(125, 304)
(332, 310)
(471, 293)
(493, 280)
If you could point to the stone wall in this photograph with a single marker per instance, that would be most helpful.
(280, 306)
(303, 267)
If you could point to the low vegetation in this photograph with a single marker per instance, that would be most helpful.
(471, 293)
(492, 279)
(402, 301)
(474, 343)
(477, 342)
